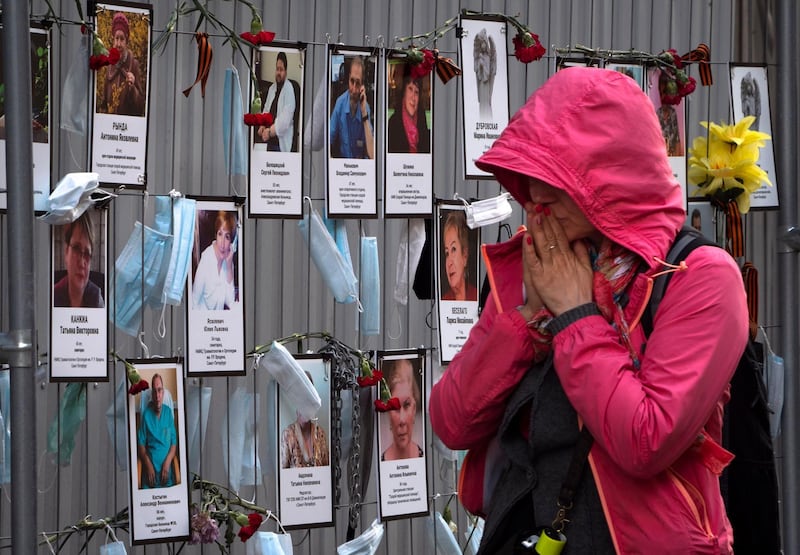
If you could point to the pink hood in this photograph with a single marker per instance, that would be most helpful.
(593, 133)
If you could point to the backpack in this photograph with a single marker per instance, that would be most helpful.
(749, 484)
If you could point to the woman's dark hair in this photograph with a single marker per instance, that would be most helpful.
(406, 80)
(84, 224)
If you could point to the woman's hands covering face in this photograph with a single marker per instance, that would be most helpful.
(558, 272)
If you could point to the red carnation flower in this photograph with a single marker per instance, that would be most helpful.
(257, 39)
(113, 56)
(425, 66)
(369, 381)
(527, 47)
(252, 120)
(245, 532)
(255, 519)
(138, 387)
(384, 406)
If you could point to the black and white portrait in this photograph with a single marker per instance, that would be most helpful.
(484, 58)
(484, 53)
(750, 96)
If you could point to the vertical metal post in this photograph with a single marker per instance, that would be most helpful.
(786, 139)
(19, 176)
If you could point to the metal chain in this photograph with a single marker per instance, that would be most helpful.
(355, 459)
(346, 367)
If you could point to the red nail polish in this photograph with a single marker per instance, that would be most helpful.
(538, 220)
(546, 210)
(539, 207)
(530, 241)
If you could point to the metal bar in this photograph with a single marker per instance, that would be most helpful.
(19, 176)
(786, 147)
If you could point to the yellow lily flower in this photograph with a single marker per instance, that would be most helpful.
(726, 161)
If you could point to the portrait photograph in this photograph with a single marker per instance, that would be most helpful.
(457, 276)
(750, 97)
(408, 109)
(276, 157)
(634, 71)
(484, 62)
(215, 307)
(701, 217)
(352, 125)
(79, 313)
(121, 91)
(352, 108)
(40, 120)
(672, 119)
(121, 88)
(305, 484)
(409, 159)
(401, 435)
(157, 448)
(458, 257)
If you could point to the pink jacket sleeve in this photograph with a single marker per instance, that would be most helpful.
(467, 403)
(646, 419)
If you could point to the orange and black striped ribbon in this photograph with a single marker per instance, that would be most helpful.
(702, 56)
(750, 277)
(733, 229)
(205, 55)
(446, 69)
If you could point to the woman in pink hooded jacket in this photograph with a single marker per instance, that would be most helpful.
(559, 344)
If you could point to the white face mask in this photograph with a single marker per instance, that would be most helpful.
(408, 256)
(72, 196)
(488, 211)
(294, 384)
(365, 544)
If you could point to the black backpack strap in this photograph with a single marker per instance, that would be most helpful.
(686, 241)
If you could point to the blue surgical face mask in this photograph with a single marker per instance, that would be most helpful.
(370, 318)
(184, 214)
(71, 413)
(234, 136)
(72, 196)
(113, 548)
(268, 543)
(138, 271)
(338, 230)
(336, 273)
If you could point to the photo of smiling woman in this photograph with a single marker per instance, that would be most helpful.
(459, 255)
(214, 286)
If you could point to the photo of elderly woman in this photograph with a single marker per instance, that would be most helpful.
(408, 130)
(80, 281)
(122, 87)
(404, 435)
(459, 255)
(215, 273)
